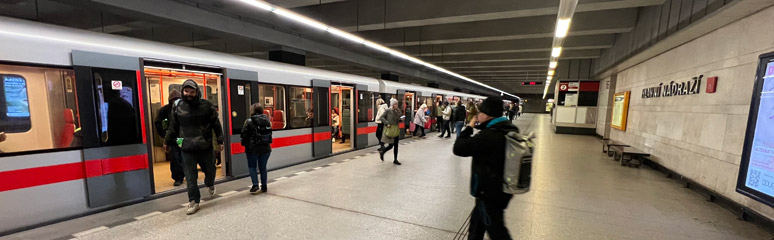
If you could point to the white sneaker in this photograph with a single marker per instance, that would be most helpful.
(192, 208)
(211, 190)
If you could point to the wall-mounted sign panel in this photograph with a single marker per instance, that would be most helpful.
(620, 110)
(756, 171)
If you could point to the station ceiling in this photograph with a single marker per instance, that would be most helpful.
(500, 43)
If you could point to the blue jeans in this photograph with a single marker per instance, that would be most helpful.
(458, 127)
(260, 160)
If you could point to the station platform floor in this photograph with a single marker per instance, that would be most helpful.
(577, 193)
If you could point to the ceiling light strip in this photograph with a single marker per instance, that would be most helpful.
(321, 26)
(563, 20)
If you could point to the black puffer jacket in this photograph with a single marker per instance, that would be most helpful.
(249, 140)
(194, 121)
(459, 114)
(487, 148)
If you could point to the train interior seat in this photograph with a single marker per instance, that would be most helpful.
(278, 120)
(68, 131)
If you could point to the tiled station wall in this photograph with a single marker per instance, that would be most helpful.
(700, 136)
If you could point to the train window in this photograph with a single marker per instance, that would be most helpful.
(118, 114)
(322, 103)
(273, 99)
(37, 109)
(300, 110)
(365, 106)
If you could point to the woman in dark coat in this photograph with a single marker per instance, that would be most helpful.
(257, 139)
(391, 117)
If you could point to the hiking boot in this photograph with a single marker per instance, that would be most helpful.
(193, 207)
(254, 189)
(178, 183)
(211, 190)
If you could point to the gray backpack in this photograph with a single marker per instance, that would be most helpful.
(517, 173)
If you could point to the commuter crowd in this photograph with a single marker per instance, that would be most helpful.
(193, 136)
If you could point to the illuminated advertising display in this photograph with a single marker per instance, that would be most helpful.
(756, 172)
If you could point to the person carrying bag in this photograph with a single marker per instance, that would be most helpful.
(391, 118)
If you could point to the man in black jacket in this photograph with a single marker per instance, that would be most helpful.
(192, 123)
(486, 183)
(162, 124)
(459, 117)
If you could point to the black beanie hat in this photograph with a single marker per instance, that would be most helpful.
(492, 106)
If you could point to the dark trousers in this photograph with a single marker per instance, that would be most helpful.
(395, 145)
(419, 129)
(255, 160)
(206, 161)
(175, 163)
(446, 128)
(438, 123)
(488, 217)
(379, 130)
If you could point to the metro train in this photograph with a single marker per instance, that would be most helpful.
(78, 107)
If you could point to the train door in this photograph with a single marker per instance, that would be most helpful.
(321, 131)
(409, 107)
(242, 93)
(401, 105)
(364, 114)
(164, 81)
(435, 111)
(113, 131)
(342, 117)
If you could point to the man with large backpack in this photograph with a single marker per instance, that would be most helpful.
(488, 148)
(192, 123)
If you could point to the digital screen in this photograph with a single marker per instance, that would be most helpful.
(16, 96)
(760, 169)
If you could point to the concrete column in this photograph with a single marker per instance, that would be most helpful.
(288, 55)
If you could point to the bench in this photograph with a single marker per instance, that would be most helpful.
(607, 143)
(621, 153)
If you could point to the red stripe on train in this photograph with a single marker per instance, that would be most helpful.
(237, 148)
(31, 177)
(366, 130)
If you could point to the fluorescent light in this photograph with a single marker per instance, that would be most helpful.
(552, 65)
(562, 27)
(259, 4)
(549, 78)
(556, 52)
(301, 19)
(550, 72)
(346, 35)
(377, 46)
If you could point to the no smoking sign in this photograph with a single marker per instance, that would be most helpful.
(116, 85)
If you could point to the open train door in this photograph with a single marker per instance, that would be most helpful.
(434, 112)
(242, 92)
(361, 130)
(114, 137)
(402, 106)
(321, 130)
